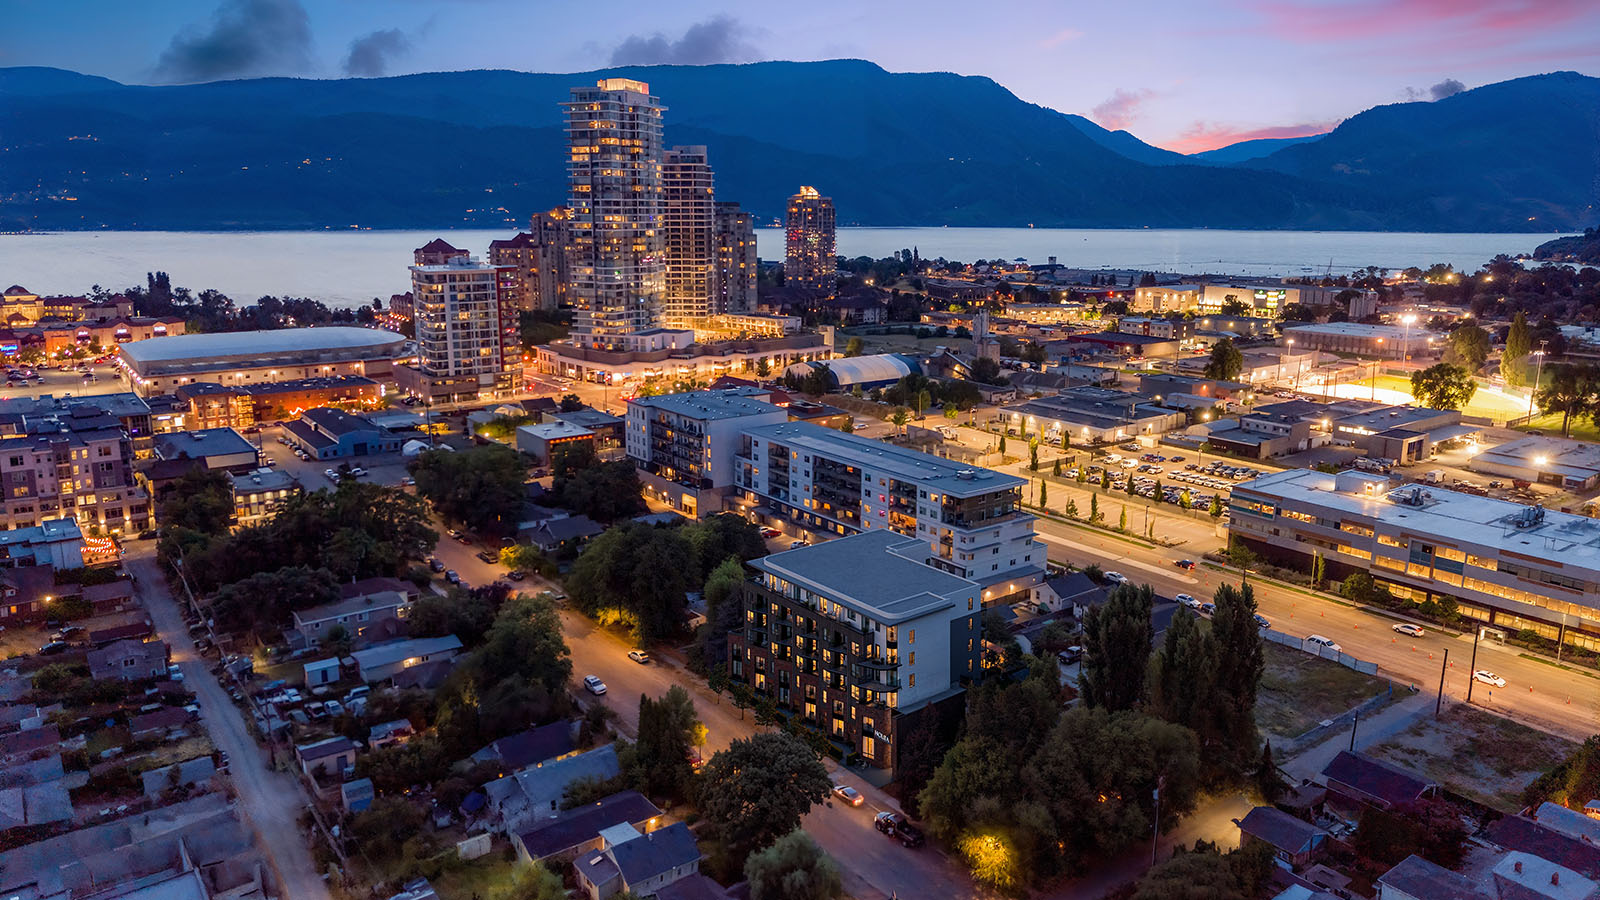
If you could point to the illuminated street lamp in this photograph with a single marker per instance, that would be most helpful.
(1405, 350)
(1538, 377)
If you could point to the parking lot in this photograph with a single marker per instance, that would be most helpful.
(1173, 475)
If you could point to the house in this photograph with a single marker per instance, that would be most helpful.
(694, 887)
(531, 747)
(1417, 879)
(385, 734)
(158, 724)
(1523, 876)
(378, 584)
(354, 614)
(1569, 822)
(416, 889)
(553, 535)
(111, 597)
(578, 830)
(1072, 591)
(535, 791)
(24, 743)
(1292, 840)
(130, 631)
(194, 771)
(130, 660)
(638, 863)
(39, 804)
(1357, 781)
(1528, 836)
(24, 590)
(332, 755)
(385, 661)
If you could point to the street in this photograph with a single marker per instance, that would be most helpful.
(270, 802)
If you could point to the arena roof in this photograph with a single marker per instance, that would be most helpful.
(177, 348)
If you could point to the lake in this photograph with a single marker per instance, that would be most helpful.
(347, 268)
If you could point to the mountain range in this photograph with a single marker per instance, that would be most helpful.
(485, 149)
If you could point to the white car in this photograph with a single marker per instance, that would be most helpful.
(594, 685)
(1115, 577)
(1489, 678)
(639, 656)
(1324, 642)
(1188, 601)
(1408, 629)
(848, 794)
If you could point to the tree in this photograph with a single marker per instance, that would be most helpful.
(1044, 494)
(1071, 510)
(854, 347)
(723, 610)
(1519, 343)
(668, 730)
(987, 371)
(526, 558)
(639, 574)
(1116, 645)
(199, 500)
(793, 868)
(1443, 386)
(1055, 467)
(1226, 361)
(532, 881)
(604, 492)
(1241, 557)
(1468, 347)
(1319, 569)
(899, 417)
(1205, 874)
(1033, 455)
(1002, 446)
(571, 403)
(1216, 507)
(261, 604)
(759, 788)
(1240, 661)
(1122, 520)
(480, 487)
(1570, 390)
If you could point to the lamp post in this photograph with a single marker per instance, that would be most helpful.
(1375, 372)
(1538, 377)
(1405, 350)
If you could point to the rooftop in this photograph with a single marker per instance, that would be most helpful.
(659, 851)
(877, 572)
(1281, 830)
(260, 343)
(1374, 777)
(555, 430)
(375, 601)
(732, 403)
(576, 826)
(877, 457)
(202, 443)
(263, 479)
(1355, 329)
(1416, 877)
(388, 654)
(1578, 459)
(337, 422)
(1390, 417)
(1558, 537)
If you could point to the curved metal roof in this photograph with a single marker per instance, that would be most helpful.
(883, 367)
(258, 343)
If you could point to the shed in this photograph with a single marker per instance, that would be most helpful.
(322, 671)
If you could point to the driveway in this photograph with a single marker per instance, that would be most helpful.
(270, 802)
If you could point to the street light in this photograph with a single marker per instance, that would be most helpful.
(1405, 351)
(1538, 377)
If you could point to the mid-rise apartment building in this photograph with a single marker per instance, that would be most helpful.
(684, 444)
(827, 482)
(737, 263)
(809, 259)
(465, 335)
(860, 637)
(538, 261)
(1503, 564)
(72, 463)
(689, 223)
(617, 270)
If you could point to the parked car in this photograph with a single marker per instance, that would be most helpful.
(848, 794)
(489, 556)
(1070, 655)
(639, 656)
(795, 545)
(896, 826)
(452, 576)
(1188, 601)
(1489, 678)
(54, 647)
(434, 565)
(1115, 578)
(517, 575)
(1324, 642)
(594, 685)
(174, 673)
(1408, 629)
(1208, 608)
(770, 533)
(1187, 564)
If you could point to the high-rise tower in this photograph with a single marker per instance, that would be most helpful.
(809, 261)
(689, 216)
(614, 174)
(736, 259)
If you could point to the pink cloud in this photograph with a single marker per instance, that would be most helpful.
(1061, 37)
(1433, 22)
(1203, 136)
(1121, 108)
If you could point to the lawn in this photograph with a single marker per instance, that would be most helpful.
(1580, 428)
(1299, 690)
(475, 880)
(1476, 754)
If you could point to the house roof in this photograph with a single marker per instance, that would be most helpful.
(325, 748)
(30, 740)
(1424, 880)
(539, 787)
(534, 745)
(337, 422)
(655, 853)
(375, 585)
(1074, 584)
(575, 826)
(120, 632)
(189, 772)
(170, 717)
(376, 600)
(1281, 830)
(388, 654)
(692, 887)
(1569, 822)
(1387, 783)
(115, 590)
(1518, 833)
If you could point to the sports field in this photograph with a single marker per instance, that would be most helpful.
(1487, 402)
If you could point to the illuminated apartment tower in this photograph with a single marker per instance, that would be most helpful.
(689, 215)
(465, 340)
(809, 262)
(614, 173)
(538, 258)
(736, 260)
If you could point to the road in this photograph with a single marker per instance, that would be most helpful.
(269, 801)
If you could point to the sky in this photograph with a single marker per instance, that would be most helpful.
(1188, 75)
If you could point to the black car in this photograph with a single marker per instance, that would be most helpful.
(434, 564)
(54, 647)
(518, 575)
(896, 826)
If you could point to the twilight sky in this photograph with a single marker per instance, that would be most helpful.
(1188, 75)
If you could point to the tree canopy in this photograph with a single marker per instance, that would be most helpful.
(199, 500)
(1226, 361)
(1468, 348)
(639, 573)
(481, 487)
(1116, 643)
(1443, 386)
(261, 605)
(758, 789)
(604, 492)
(793, 868)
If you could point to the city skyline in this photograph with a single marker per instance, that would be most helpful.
(1168, 100)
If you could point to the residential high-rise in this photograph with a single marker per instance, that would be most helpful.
(617, 261)
(465, 339)
(809, 258)
(539, 258)
(689, 219)
(736, 263)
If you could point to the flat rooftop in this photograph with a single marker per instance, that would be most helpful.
(926, 469)
(1389, 417)
(1563, 539)
(875, 572)
(201, 444)
(1355, 329)
(1578, 458)
(276, 342)
(731, 403)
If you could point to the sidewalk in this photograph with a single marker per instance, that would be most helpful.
(1390, 720)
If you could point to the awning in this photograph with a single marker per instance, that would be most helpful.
(1451, 432)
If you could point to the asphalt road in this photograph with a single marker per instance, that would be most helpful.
(270, 802)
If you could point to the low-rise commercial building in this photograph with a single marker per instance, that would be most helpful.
(1405, 434)
(216, 448)
(1572, 465)
(1091, 415)
(335, 434)
(1381, 341)
(162, 365)
(674, 355)
(1262, 435)
(214, 405)
(543, 440)
(1166, 298)
(860, 637)
(259, 494)
(1501, 563)
(61, 338)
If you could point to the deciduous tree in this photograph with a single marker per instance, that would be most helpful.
(758, 789)
(793, 868)
(1443, 386)
(1117, 636)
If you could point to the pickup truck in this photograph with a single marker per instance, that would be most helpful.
(896, 826)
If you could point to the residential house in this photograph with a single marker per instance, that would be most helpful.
(331, 755)
(641, 864)
(354, 614)
(25, 591)
(699, 887)
(1569, 822)
(190, 772)
(1072, 591)
(385, 661)
(161, 723)
(356, 795)
(531, 747)
(1295, 841)
(1357, 781)
(554, 535)
(578, 830)
(534, 792)
(130, 660)
(1528, 836)
(386, 734)
(131, 631)
(111, 597)
(1417, 879)
(1523, 876)
(322, 671)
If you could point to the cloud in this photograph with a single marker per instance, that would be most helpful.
(1119, 110)
(370, 56)
(720, 39)
(1449, 24)
(1061, 37)
(1446, 88)
(1203, 136)
(244, 37)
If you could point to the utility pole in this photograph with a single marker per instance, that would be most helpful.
(1155, 831)
(1473, 666)
(1353, 724)
(1437, 704)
